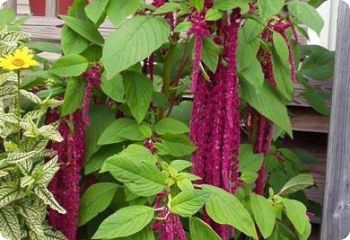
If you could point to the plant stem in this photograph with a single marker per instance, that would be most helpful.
(18, 102)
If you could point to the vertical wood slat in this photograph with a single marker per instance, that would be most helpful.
(51, 8)
(336, 213)
(11, 4)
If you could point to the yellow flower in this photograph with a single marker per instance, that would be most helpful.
(21, 59)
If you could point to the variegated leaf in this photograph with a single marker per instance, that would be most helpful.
(50, 169)
(51, 103)
(50, 132)
(33, 115)
(25, 166)
(16, 157)
(54, 235)
(9, 118)
(26, 181)
(7, 92)
(9, 226)
(12, 37)
(7, 77)
(9, 192)
(49, 199)
(30, 96)
(35, 236)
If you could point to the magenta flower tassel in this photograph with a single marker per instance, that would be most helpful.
(199, 29)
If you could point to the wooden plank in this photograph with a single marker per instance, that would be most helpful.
(336, 218)
(51, 8)
(11, 4)
(305, 119)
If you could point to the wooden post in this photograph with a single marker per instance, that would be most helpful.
(336, 213)
(51, 8)
(11, 4)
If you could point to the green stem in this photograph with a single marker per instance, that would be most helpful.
(18, 103)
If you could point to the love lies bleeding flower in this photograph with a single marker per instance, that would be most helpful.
(21, 59)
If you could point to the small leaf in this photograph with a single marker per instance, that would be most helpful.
(297, 183)
(175, 145)
(48, 199)
(270, 8)
(199, 230)
(187, 203)
(9, 225)
(167, 7)
(213, 15)
(210, 54)
(113, 87)
(95, 10)
(183, 27)
(118, 11)
(9, 193)
(252, 29)
(264, 214)
(170, 126)
(69, 66)
(180, 165)
(95, 200)
(125, 222)
(306, 14)
(224, 208)
(85, 29)
(73, 97)
(72, 42)
(198, 4)
(138, 94)
(225, 5)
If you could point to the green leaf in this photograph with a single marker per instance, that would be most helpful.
(136, 39)
(121, 130)
(170, 126)
(282, 232)
(7, 16)
(72, 42)
(264, 214)
(9, 225)
(73, 97)
(224, 208)
(246, 52)
(213, 15)
(138, 94)
(281, 47)
(95, 200)
(118, 11)
(137, 170)
(268, 104)
(297, 183)
(225, 5)
(125, 222)
(253, 74)
(96, 128)
(187, 203)
(306, 14)
(95, 10)
(145, 234)
(252, 29)
(180, 165)
(199, 230)
(69, 66)
(210, 54)
(175, 145)
(46, 47)
(113, 87)
(282, 74)
(316, 100)
(183, 27)
(85, 29)
(198, 4)
(296, 213)
(269, 8)
(249, 163)
(168, 7)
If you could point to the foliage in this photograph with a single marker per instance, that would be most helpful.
(24, 137)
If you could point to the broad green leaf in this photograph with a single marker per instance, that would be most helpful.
(316, 100)
(170, 126)
(145, 234)
(73, 97)
(224, 208)
(306, 14)
(187, 203)
(125, 222)
(113, 87)
(264, 214)
(46, 47)
(95, 10)
(118, 11)
(7, 16)
(249, 163)
(199, 230)
(167, 7)
(175, 145)
(281, 47)
(85, 29)
(95, 200)
(246, 52)
(282, 73)
(282, 232)
(48, 198)
(72, 42)
(96, 128)
(69, 66)
(297, 183)
(182, 112)
(137, 39)
(9, 225)
(269, 8)
(198, 4)
(183, 26)
(268, 104)
(225, 5)
(252, 29)
(213, 15)
(137, 170)
(138, 94)
(180, 165)
(253, 74)
(121, 130)
(296, 213)
(210, 54)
